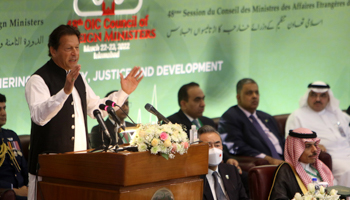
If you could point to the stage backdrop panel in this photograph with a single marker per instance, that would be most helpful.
(283, 45)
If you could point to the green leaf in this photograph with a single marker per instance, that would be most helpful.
(166, 156)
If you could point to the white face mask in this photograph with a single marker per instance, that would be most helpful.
(215, 156)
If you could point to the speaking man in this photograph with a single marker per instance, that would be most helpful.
(302, 164)
(60, 99)
(319, 111)
(248, 131)
(223, 180)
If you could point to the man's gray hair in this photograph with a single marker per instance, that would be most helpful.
(207, 129)
(241, 82)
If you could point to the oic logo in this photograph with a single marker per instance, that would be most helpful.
(103, 9)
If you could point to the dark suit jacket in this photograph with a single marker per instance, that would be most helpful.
(96, 137)
(181, 118)
(285, 184)
(232, 183)
(235, 127)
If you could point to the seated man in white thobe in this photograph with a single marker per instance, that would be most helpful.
(319, 111)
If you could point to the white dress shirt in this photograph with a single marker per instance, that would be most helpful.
(210, 179)
(43, 107)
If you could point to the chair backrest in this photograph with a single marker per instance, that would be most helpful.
(281, 121)
(25, 140)
(7, 194)
(326, 159)
(261, 177)
(260, 181)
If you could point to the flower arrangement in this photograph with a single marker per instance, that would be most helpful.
(317, 195)
(166, 139)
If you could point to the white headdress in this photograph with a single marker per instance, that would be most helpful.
(333, 104)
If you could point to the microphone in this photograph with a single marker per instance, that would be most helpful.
(102, 124)
(111, 111)
(152, 110)
(112, 103)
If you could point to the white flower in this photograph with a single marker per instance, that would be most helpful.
(147, 138)
(333, 192)
(142, 147)
(308, 197)
(319, 196)
(311, 188)
(175, 137)
(298, 196)
(138, 140)
(155, 150)
(183, 135)
(322, 190)
(163, 149)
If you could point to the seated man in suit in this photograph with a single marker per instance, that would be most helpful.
(191, 101)
(302, 164)
(13, 166)
(249, 132)
(223, 180)
(113, 127)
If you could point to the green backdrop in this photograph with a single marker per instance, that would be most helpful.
(283, 45)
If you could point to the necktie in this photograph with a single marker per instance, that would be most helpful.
(126, 136)
(195, 122)
(272, 148)
(219, 193)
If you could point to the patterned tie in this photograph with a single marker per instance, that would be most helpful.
(195, 122)
(126, 136)
(272, 148)
(219, 193)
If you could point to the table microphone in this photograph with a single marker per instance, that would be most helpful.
(112, 103)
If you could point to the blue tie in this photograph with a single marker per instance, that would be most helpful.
(195, 122)
(272, 148)
(219, 193)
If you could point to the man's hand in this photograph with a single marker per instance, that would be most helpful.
(70, 79)
(23, 191)
(234, 162)
(131, 81)
(323, 148)
(273, 161)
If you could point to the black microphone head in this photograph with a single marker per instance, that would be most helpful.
(96, 112)
(103, 107)
(110, 109)
(148, 107)
(110, 103)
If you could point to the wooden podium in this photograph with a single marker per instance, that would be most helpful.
(123, 175)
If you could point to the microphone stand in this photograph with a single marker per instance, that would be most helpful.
(126, 114)
(103, 146)
(116, 146)
(159, 121)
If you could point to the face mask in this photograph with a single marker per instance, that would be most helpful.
(215, 156)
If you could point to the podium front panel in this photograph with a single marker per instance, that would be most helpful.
(124, 168)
